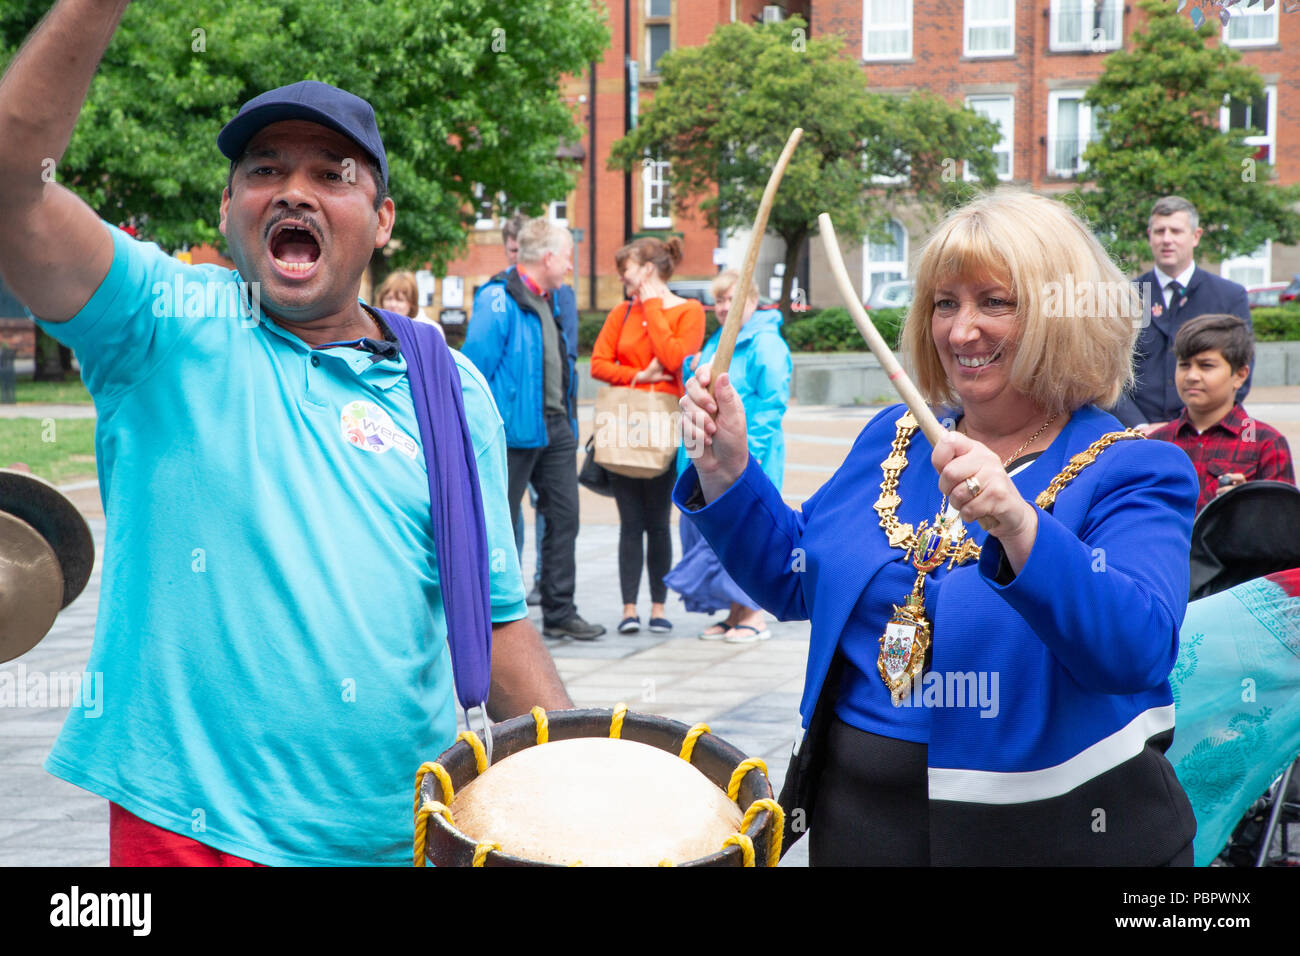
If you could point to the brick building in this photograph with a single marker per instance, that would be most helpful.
(606, 208)
(1027, 63)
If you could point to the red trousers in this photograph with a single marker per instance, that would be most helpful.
(133, 842)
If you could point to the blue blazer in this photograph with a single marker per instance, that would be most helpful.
(1082, 639)
(1154, 397)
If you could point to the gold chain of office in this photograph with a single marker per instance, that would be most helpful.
(902, 535)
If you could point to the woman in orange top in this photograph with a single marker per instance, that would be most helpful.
(642, 345)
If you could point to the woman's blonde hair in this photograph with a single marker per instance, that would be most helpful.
(404, 284)
(727, 280)
(1076, 314)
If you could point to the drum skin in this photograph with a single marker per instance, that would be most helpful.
(716, 759)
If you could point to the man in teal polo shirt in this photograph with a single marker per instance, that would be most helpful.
(271, 631)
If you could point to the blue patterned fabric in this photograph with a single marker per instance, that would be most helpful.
(1236, 689)
(700, 578)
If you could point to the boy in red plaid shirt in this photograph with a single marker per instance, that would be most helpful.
(1227, 448)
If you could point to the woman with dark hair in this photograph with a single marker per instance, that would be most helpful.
(642, 345)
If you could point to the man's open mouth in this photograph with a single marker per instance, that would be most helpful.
(294, 248)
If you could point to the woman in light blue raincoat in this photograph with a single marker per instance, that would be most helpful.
(760, 371)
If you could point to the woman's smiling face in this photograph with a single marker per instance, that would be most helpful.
(975, 332)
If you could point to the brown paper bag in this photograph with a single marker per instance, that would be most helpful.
(637, 432)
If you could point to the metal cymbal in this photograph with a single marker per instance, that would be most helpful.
(31, 587)
(44, 507)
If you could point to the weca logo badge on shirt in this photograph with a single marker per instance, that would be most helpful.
(369, 427)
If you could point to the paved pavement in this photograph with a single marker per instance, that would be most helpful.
(748, 694)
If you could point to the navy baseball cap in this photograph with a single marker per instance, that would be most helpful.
(309, 100)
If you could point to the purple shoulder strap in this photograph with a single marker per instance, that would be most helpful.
(456, 505)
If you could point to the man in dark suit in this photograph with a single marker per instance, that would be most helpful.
(1173, 293)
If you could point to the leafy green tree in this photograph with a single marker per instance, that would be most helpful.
(722, 112)
(466, 92)
(1159, 103)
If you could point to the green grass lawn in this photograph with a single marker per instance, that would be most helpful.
(58, 450)
(71, 392)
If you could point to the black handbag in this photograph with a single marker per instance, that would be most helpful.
(592, 476)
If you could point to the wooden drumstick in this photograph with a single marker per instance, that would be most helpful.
(731, 328)
(930, 426)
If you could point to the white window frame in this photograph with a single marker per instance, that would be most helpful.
(552, 212)
(479, 222)
(968, 24)
(1085, 10)
(649, 21)
(1263, 256)
(648, 166)
(868, 28)
(884, 265)
(1086, 125)
(881, 179)
(1241, 12)
(1008, 134)
(1270, 138)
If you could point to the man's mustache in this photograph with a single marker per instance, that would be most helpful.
(304, 219)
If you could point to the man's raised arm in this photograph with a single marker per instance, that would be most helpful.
(53, 251)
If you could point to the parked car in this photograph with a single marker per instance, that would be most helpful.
(1292, 292)
(1265, 296)
(891, 295)
(700, 289)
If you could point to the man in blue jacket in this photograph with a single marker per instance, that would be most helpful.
(565, 306)
(1177, 292)
(517, 340)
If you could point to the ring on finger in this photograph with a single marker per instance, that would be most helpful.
(973, 486)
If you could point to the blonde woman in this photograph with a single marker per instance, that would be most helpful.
(994, 619)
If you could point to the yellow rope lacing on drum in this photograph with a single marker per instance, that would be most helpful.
(692, 735)
(422, 827)
(746, 846)
(437, 769)
(778, 826)
(763, 803)
(476, 745)
(482, 850)
(543, 726)
(616, 723)
(448, 792)
(744, 767)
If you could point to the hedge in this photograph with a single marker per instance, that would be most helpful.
(1277, 324)
(832, 330)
